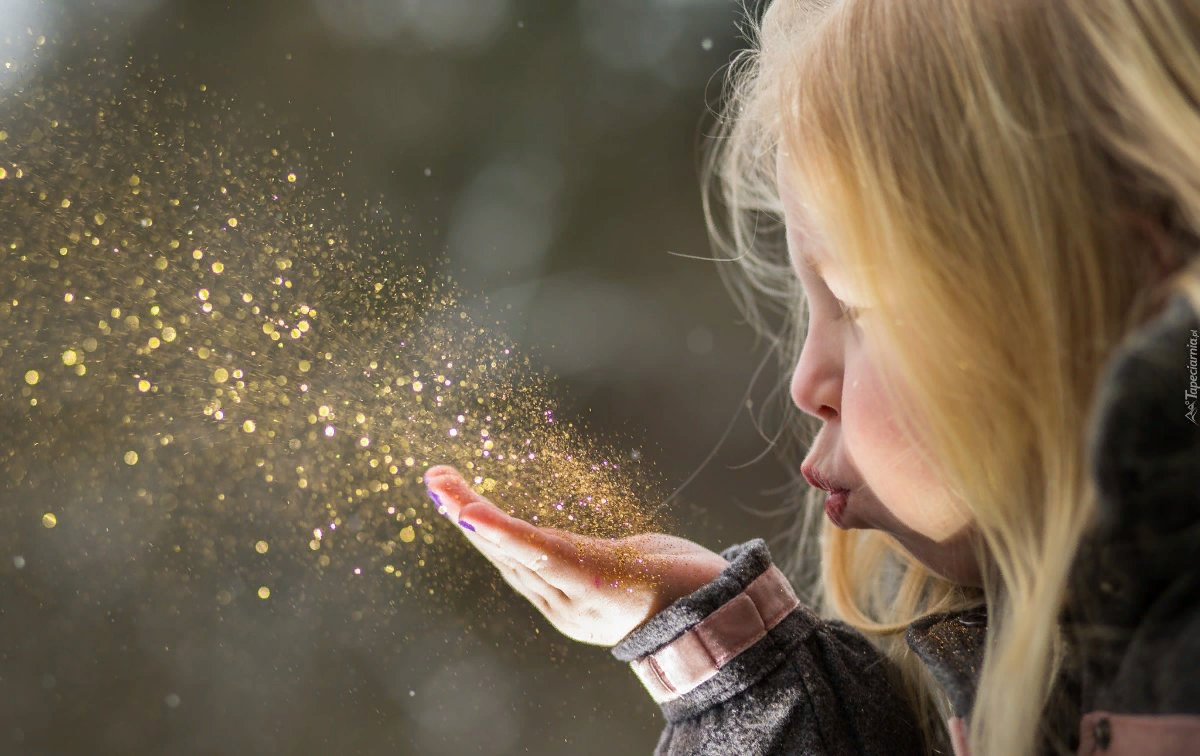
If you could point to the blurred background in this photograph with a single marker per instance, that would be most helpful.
(549, 149)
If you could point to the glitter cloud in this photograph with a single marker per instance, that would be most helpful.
(199, 335)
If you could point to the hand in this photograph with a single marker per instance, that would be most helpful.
(593, 590)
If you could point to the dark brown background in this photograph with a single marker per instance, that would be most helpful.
(550, 148)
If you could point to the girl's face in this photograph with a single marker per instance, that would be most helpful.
(860, 446)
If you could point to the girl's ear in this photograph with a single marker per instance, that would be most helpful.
(1163, 254)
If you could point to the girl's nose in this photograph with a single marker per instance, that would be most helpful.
(816, 387)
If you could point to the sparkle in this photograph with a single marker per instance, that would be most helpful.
(49, 520)
(312, 318)
(264, 592)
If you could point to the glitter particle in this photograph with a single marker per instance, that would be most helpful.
(49, 520)
(70, 357)
(261, 547)
(264, 592)
(131, 458)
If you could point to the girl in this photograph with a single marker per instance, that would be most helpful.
(989, 280)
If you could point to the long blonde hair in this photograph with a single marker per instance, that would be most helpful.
(977, 164)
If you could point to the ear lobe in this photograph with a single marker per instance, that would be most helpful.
(1162, 250)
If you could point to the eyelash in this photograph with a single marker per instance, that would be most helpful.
(849, 313)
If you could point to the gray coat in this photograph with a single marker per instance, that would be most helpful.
(1132, 682)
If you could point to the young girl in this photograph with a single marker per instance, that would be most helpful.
(990, 280)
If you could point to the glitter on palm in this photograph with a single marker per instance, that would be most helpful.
(195, 332)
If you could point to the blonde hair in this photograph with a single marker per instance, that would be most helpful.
(976, 164)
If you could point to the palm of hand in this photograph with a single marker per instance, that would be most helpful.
(592, 590)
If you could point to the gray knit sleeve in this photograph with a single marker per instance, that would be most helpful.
(809, 686)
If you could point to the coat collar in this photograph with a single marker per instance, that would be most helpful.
(951, 646)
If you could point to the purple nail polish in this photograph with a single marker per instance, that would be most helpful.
(441, 508)
(467, 525)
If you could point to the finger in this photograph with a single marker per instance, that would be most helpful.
(448, 490)
(521, 541)
(533, 580)
(532, 547)
(550, 555)
(523, 577)
(526, 582)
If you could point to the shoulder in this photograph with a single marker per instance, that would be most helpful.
(1135, 585)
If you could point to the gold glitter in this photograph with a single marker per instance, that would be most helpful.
(342, 424)
(68, 297)
(49, 520)
(3, 173)
(70, 357)
(264, 592)
(261, 547)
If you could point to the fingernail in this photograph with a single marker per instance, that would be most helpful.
(441, 508)
(467, 525)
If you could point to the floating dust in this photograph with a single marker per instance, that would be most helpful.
(208, 351)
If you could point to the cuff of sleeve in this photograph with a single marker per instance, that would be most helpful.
(747, 561)
(721, 639)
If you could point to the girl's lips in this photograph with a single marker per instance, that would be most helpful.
(835, 507)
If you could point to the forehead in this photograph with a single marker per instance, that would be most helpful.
(804, 239)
